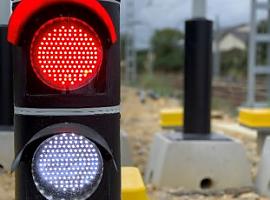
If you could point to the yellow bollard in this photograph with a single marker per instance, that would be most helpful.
(172, 118)
(133, 187)
(254, 117)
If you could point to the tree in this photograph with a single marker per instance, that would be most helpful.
(234, 62)
(166, 46)
(123, 46)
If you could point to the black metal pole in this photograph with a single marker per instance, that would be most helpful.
(6, 83)
(198, 76)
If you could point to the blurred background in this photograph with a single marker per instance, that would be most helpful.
(152, 63)
(153, 40)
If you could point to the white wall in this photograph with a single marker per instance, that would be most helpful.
(230, 42)
(243, 29)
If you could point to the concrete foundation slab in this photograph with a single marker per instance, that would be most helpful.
(6, 149)
(126, 153)
(214, 164)
(262, 135)
(263, 175)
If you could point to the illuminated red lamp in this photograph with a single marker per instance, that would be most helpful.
(66, 53)
(28, 8)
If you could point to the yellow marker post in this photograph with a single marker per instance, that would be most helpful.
(172, 118)
(254, 117)
(133, 187)
(258, 119)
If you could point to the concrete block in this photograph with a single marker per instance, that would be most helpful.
(126, 155)
(263, 175)
(6, 149)
(261, 137)
(197, 164)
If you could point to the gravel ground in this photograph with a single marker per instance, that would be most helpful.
(140, 121)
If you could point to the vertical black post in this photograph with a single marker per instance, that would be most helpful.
(198, 76)
(6, 86)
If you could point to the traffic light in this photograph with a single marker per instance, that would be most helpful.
(67, 96)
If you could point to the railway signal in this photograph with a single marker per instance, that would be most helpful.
(67, 95)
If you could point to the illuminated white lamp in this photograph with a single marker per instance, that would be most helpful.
(67, 166)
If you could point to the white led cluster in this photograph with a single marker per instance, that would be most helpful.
(67, 166)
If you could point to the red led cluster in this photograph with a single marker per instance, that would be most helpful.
(66, 53)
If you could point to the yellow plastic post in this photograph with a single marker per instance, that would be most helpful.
(172, 118)
(254, 117)
(133, 187)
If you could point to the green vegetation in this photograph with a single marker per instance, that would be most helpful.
(163, 84)
(168, 53)
(170, 84)
(225, 105)
(234, 63)
(161, 65)
(142, 60)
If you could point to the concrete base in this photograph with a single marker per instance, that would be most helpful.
(216, 164)
(126, 155)
(263, 175)
(261, 137)
(6, 149)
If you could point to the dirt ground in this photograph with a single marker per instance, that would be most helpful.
(141, 121)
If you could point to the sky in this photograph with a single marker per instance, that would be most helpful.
(158, 14)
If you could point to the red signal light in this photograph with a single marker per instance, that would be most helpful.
(66, 53)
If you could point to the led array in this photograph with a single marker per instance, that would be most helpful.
(67, 165)
(66, 53)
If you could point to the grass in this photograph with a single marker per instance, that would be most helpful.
(171, 85)
(163, 84)
(224, 105)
